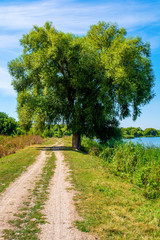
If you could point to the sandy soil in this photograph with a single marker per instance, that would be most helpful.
(59, 210)
(12, 199)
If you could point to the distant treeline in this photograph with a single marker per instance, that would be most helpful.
(132, 132)
(10, 127)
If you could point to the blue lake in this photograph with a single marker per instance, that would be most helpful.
(148, 141)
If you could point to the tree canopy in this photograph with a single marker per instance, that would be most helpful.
(88, 82)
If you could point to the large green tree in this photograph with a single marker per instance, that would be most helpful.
(88, 81)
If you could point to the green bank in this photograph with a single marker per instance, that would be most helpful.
(110, 205)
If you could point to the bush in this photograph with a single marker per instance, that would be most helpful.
(90, 146)
(106, 154)
(141, 165)
(9, 145)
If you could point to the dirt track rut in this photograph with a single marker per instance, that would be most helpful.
(59, 210)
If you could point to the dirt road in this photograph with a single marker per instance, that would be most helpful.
(12, 199)
(59, 209)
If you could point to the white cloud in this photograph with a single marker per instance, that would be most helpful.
(5, 82)
(72, 16)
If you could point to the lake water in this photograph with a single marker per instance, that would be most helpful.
(148, 141)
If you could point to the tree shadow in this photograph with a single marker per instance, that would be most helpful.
(59, 148)
(56, 148)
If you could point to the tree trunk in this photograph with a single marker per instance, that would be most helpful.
(76, 141)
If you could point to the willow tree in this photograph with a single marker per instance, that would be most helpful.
(88, 81)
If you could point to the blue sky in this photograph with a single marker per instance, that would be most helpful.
(140, 18)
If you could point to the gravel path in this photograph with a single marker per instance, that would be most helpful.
(59, 210)
(12, 199)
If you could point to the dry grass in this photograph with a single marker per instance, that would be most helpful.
(9, 145)
(13, 165)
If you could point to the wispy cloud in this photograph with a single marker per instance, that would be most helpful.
(73, 16)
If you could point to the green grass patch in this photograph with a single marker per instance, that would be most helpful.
(110, 206)
(27, 221)
(13, 165)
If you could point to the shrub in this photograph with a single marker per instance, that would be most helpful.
(91, 146)
(9, 145)
(141, 165)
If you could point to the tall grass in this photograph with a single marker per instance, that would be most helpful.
(138, 164)
(9, 145)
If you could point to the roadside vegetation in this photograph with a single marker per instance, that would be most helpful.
(10, 145)
(111, 206)
(136, 163)
(13, 137)
(13, 165)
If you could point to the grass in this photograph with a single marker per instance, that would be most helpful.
(26, 224)
(137, 163)
(111, 207)
(13, 165)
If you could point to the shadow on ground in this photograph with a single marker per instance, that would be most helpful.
(59, 148)
(56, 148)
